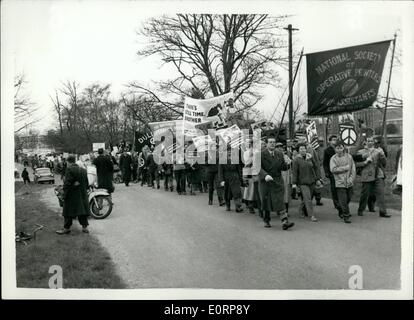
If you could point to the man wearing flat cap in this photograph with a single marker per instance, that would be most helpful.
(75, 196)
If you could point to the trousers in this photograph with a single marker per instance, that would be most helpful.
(344, 198)
(334, 194)
(180, 177)
(213, 183)
(83, 221)
(307, 192)
(376, 188)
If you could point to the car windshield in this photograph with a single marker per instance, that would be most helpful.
(43, 171)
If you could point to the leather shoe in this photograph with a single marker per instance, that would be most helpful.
(239, 209)
(85, 230)
(346, 220)
(63, 231)
(288, 225)
(267, 225)
(385, 215)
(222, 204)
(360, 214)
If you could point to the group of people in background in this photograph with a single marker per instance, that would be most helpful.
(293, 170)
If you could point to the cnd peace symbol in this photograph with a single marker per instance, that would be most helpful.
(349, 136)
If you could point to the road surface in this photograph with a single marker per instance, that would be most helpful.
(159, 239)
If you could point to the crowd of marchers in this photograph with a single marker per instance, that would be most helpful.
(286, 171)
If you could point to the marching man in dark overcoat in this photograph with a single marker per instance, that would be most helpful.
(125, 163)
(272, 185)
(104, 171)
(75, 197)
(230, 177)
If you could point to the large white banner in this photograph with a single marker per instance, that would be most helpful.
(214, 110)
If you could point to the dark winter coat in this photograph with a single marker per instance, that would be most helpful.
(25, 175)
(75, 192)
(231, 174)
(104, 172)
(193, 173)
(272, 192)
(327, 155)
(151, 164)
(306, 170)
(125, 163)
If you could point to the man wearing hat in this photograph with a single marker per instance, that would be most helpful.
(104, 171)
(75, 196)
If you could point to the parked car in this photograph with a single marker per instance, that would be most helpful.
(43, 175)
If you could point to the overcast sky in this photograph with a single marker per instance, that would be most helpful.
(88, 41)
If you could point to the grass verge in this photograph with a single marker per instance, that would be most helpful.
(85, 263)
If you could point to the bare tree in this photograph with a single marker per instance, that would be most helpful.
(217, 53)
(58, 108)
(24, 108)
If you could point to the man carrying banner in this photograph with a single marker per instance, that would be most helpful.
(272, 188)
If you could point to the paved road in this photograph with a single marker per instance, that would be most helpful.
(158, 239)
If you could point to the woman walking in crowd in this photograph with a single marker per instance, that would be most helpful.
(306, 175)
(342, 167)
(249, 194)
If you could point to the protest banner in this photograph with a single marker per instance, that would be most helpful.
(214, 110)
(143, 138)
(344, 80)
(202, 143)
(98, 145)
(312, 135)
(232, 136)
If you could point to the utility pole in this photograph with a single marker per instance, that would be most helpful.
(384, 119)
(291, 124)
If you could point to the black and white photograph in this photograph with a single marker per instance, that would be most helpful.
(115, 189)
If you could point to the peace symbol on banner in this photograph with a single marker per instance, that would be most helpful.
(141, 162)
(349, 136)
